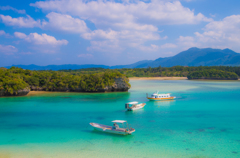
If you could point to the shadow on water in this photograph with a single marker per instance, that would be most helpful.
(164, 102)
(95, 132)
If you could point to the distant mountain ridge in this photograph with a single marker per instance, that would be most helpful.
(191, 57)
(199, 57)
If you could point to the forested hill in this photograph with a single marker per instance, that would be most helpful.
(213, 74)
(17, 81)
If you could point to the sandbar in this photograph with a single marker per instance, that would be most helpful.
(158, 78)
(40, 92)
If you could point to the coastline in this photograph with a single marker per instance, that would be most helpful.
(158, 78)
(31, 93)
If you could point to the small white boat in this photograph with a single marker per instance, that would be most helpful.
(115, 129)
(134, 106)
(156, 96)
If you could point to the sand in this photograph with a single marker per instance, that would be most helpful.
(31, 93)
(157, 78)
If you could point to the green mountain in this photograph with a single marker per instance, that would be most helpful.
(198, 57)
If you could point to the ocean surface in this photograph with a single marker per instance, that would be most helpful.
(203, 122)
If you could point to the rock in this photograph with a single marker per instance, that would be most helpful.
(21, 92)
(36, 88)
(120, 84)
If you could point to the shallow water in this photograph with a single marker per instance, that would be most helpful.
(204, 121)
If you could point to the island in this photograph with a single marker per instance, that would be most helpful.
(18, 82)
(213, 74)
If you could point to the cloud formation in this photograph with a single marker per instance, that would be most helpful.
(217, 34)
(64, 22)
(85, 55)
(42, 39)
(8, 49)
(13, 9)
(103, 12)
(2, 32)
(121, 25)
(27, 21)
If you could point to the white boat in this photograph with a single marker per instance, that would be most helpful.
(156, 96)
(134, 106)
(115, 129)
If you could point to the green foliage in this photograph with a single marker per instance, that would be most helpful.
(14, 79)
(96, 79)
(175, 71)
(10, 82)
(213, 74)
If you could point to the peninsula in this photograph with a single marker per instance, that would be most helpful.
(18, 82)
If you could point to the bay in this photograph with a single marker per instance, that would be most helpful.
(203, 121)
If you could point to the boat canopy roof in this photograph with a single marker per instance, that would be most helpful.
(161, 94)
(119, 121)
(134, 102)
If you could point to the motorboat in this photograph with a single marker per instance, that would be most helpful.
(155, 96)
(115, 129)
(131, 106)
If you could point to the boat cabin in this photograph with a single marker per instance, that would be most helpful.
(130, 104)
(116, 122)
(155, 95)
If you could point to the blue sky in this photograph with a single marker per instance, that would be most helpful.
(113, 32)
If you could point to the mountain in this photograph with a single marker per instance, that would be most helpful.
(59, 67)
(198, 57)
(135, 65)
(191, 57)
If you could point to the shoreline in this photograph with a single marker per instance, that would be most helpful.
(158, 78)
(31, 93)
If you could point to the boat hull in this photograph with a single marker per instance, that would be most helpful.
(158, 99)
(111, 131)
(137, 108)
(108, 129)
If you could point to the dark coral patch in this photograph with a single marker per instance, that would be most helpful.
(223, 130)
(100, 118)
(201, 130)
(152, 121)
(211, 128)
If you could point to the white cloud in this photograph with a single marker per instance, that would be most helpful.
(20, 21)
(100, 34)
(43, 39)
(13, 9)
(65, 22)
(85, 55)
(219, 34)
(26, 53)
(2, 32)
(150, 48)
(168, 45)
(103, 12)
(121, 25)
(8, 49)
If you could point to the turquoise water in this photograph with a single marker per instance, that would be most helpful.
(204, 121)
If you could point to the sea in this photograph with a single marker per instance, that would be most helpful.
(202, 122)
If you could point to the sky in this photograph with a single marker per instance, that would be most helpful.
(113, 32)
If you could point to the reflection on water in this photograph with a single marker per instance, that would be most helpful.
(164, 102)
